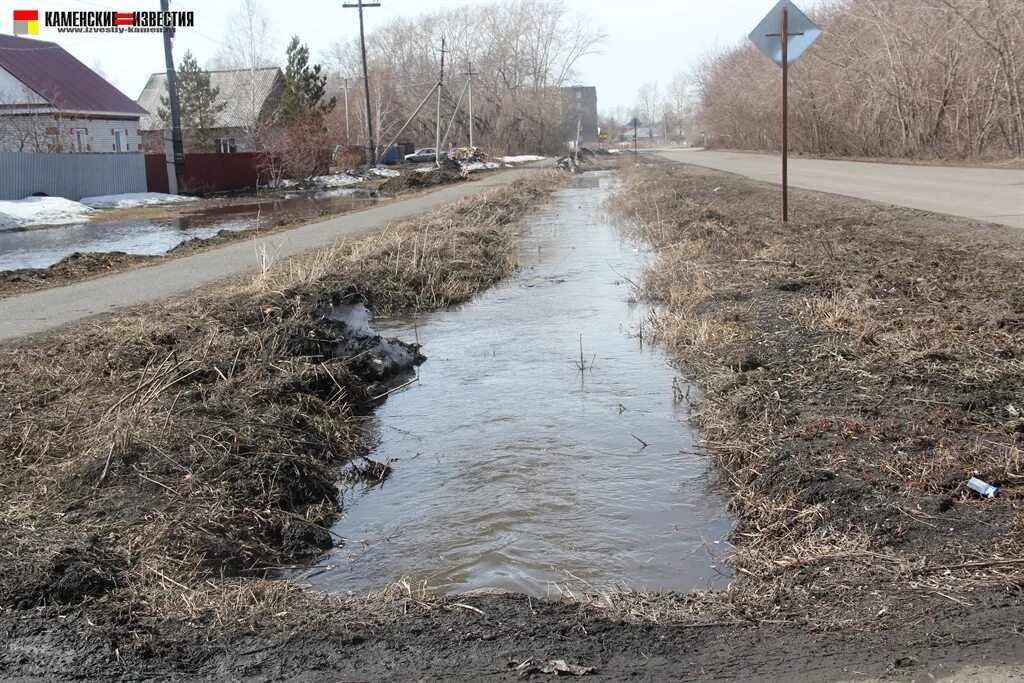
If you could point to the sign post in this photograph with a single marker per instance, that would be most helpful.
(783, 35)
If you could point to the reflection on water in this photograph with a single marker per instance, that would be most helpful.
(42, 247)
(515, 469)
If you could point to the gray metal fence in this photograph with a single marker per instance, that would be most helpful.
(73, 176)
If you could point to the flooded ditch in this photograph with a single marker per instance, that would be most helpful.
(519, 465)
(44, 246)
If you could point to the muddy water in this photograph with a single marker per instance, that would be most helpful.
(515, 469)
(42, 247)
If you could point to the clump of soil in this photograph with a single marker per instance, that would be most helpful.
(76, 266)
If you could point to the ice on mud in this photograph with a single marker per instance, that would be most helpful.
(356, 316)
(387, 356)
(133, 199)
(353, 177)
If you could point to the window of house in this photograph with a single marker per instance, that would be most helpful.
(120, 140)
(226, 145)
(579, 95)
(81, 139)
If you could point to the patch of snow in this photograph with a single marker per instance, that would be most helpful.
(338, 180)
(480, 166)
(130, 199)
(425, 169)
(522, 159)
(356, 316)
(385, 172)
(19, 213)
(338, 192)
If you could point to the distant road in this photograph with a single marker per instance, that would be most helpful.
(48, 309)
(992, 195)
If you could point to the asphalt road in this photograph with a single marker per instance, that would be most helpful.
(992, 195)
(34, 312)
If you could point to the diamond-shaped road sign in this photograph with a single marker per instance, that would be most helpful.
(768, 34)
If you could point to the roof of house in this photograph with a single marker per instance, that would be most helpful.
(244, 91)
(55, 75)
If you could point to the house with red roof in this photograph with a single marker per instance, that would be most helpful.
(51, 102)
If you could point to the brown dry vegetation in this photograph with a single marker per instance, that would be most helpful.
(859, 365)
(156, 465)
(887, 78)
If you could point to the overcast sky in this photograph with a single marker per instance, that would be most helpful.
(648, 40)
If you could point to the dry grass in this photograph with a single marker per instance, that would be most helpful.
(859, 365)
(151, 456)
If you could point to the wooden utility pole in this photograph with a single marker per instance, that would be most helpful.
(785, 114)
(370, 153)
(440, 89)
(470, 73)
(177, 148)
(347, 138)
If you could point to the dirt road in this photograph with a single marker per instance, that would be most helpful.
(36, 312)
(985, 194)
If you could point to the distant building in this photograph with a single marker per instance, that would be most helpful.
(51, 102)
(253, 97)
(650, 132)
(579, 108)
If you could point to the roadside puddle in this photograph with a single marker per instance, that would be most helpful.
(43, 246)
(518, 461)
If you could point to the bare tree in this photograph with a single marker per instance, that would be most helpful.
(679, 106)
(648, 103)
(523, 51)
(250, 46)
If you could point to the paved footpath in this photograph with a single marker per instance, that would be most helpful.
(993, 195)
(35, 312)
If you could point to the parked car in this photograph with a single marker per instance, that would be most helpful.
(424, 154)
